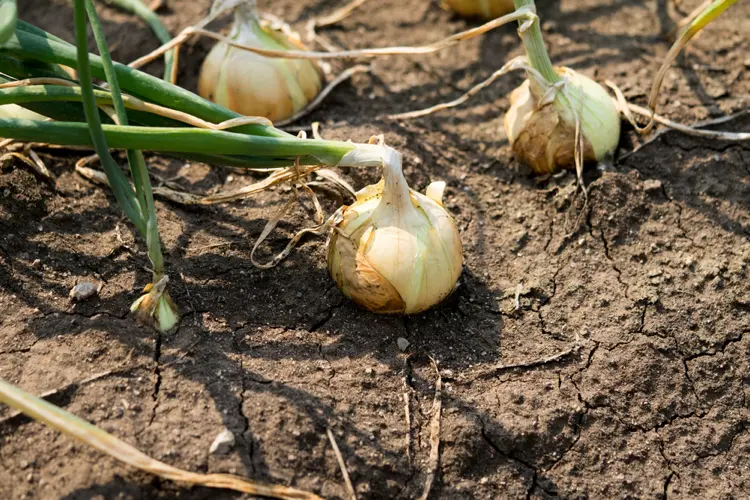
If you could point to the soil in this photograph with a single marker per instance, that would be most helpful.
(647, 284)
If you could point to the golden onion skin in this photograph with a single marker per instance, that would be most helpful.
(255, 85)
(395, 251)
(486, 9)
(544, 137)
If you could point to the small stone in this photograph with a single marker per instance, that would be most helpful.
(403, 344)
(84, 290)
(223, 443)
(652, 185)
(368, 371)
(37, 264)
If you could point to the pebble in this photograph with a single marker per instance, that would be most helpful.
(403, 344)
(84, 290)
(223, 443)
(652, 185)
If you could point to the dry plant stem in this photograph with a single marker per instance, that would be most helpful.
(339, 14)
(433, 461)
(175, 65)
(495, 370)
(700, 20)
(95, 437)
(271, 224)
(695, 128)
(342, 465)
(37, 168)
(514, 64)
(688, 130)
(342, 77)
(181, 38)
(285, 175)
(578, 154)
(524, 14)
(183, 198)
(72, 385)
(627, 109)
(41, 167)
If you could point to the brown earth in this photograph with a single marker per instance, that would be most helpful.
(654, 283)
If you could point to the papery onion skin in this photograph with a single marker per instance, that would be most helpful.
(398, 252)
(255, 85)
(544, 137)
(486, 9)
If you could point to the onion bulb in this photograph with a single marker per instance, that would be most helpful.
(155, 307)
(541, 121)
(255, 85)
(487, 9)
(395, 250)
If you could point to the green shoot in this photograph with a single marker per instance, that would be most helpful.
(124, 194)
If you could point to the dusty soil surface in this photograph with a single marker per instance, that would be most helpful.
(651, 277)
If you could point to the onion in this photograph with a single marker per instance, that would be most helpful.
(395, 250)
(255, 85)
(541, 121)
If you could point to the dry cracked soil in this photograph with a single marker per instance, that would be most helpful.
(645, 287)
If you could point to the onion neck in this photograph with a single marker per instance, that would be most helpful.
(534, 45)
(246, 20)
(396, 193)
(396, 190)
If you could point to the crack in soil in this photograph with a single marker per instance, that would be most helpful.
(245, 420)
(157, 376)
(667, 482)
(715, 350)
(612, 263)
(509, 456)
(320, 323)
(548, 300)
